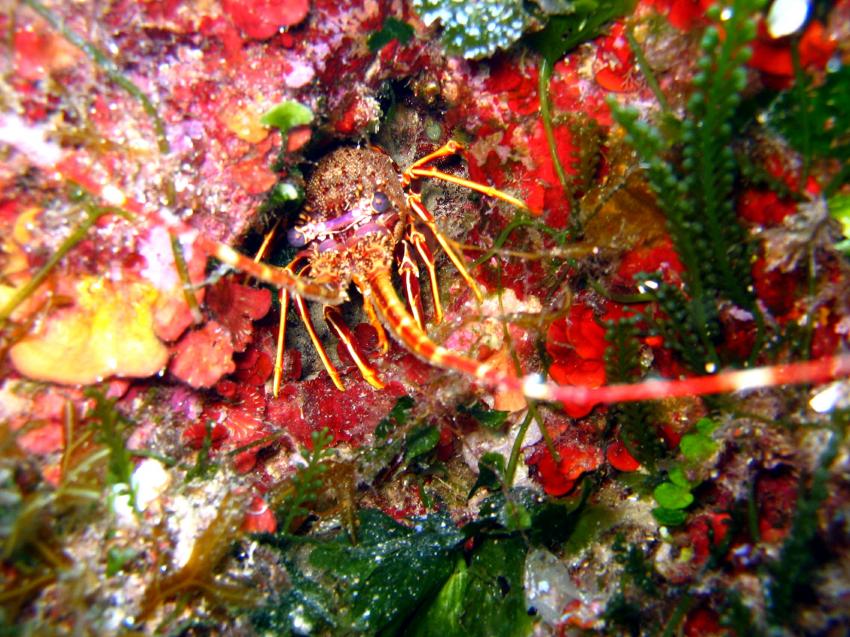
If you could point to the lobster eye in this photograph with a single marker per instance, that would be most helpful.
(296, 238)
(380, 202)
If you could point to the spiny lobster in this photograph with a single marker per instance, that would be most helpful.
(360, 207)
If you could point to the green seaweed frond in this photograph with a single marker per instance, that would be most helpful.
(708, 161)
(815, 119)
(307, 481)
(111, 429)
(286, 116)
(636, 420)
(622, 358)
(369, 587)
(793, 568)
(581, 21)
(689, 326)
(692, 169)
(544, 79)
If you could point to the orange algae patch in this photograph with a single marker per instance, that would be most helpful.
(109, 331)
(15, 264)
(243, 120)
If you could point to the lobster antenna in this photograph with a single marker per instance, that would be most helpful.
(399, 322)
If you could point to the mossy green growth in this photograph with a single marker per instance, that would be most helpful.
(287, 115)
(839, 209)
(637, 582)
(371, 586)
(396, 419)
(111, 431)
(393, 29)
(475, 30)
(484, 598)
(674, 495)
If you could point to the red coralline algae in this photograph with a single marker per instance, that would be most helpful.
(259, 518)
(559, 478)
(203, 356)
(684, 14)
(195, 434)
(776, 496)
(828, 335)
(44, 440)
(620, 458)
(40, 53)
(236, 307)
(615, 61)
(660, 257)
(775, 288)
(773, 56)
(261, 19)
(513, 88)
(705, 532)
(703, 622)
(577, 346)
(242, 417)
(535, 176)
(253, 368)
(254, 175)
(349, 416)
(764, 207)
(286, 412)
(572, 94)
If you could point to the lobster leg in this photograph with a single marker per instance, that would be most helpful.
(261, 251)
(427, 258)
(281, 341)
(421, 168)
(375, 322)
(304, 313)
(338, 327)
(415, 203)
(410, 276)
(433, 173)
(451, 147)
